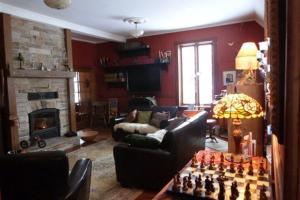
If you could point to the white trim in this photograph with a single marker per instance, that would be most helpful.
(83, 40)
(198, 27)
(29, 15)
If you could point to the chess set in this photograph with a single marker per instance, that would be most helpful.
(214, 178)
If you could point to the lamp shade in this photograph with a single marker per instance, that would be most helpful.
(246, 58)
(136, 33)
(237, 106)
(58, 4)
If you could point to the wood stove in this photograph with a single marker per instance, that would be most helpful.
(44, 123)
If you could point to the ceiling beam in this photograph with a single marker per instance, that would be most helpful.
(29, 15)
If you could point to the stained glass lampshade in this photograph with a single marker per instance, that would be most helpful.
(237, 106)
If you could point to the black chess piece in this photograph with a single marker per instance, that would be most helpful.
(250, 169)
(185, 184)
(247, 192)
(234, 191)
(262, 193)
(221, 195)
(207, 186)
(211, 185)
(261, 169)
(189, 182)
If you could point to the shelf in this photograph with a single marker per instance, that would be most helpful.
(142, 51)
(26, 73)
(125, 68)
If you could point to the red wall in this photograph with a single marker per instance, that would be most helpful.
(228, 39)
(84, 54)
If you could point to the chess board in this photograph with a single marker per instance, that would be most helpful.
(256, 182)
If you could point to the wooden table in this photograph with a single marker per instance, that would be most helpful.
(164, 195)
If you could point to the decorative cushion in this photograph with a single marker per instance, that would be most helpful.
(158, 117)
(132, 116)
(142, 141)
(144, 117)
(135, 127)
(174, 122)
(158, 135)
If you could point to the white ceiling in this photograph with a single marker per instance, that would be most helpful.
(101, 20)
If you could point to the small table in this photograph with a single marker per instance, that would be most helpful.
(164, 194)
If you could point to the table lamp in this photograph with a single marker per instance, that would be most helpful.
(246, 60)
(237, 106)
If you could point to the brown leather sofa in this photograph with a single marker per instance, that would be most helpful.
(153, 168)
(44, 175)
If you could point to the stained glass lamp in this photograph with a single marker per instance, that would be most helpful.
(237, 106)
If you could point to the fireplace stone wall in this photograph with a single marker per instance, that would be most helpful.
(23, 86)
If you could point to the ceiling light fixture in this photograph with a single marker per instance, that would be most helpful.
(135, 20)
(58, 4)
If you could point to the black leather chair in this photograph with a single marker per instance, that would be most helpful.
(44, 176)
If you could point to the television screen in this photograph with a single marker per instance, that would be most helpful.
(144, 79)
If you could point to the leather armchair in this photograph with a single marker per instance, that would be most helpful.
(44, 175)
(153, 168)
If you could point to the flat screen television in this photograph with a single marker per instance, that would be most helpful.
(144, 79)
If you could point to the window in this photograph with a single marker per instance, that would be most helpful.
(195, 73)
(77, 87)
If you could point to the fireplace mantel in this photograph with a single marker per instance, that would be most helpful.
(26, 73)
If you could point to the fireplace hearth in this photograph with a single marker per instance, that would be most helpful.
(44, 123)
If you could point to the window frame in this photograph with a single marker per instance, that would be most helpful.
(180, 68)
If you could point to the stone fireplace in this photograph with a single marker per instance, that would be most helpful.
(41, 86)
(44, 123)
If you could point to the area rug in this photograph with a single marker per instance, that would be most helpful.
(104, 185)
(221, 145)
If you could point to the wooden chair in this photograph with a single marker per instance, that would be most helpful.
(99, 113)
(210, 123)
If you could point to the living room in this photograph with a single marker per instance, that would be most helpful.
(71, 73)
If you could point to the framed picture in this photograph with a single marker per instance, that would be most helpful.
(229, 77)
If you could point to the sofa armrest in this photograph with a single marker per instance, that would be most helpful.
(80, 180)
(141, 167)
(116, 120)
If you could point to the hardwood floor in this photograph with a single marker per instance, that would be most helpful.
(104, 133)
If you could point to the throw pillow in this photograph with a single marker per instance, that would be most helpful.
(144, 117)
(158, 117)
(158, 135)
(174, 122)
(142, 141)
(132, 116)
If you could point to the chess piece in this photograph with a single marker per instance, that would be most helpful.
(262, 193)
(198, 186)
(189, 182)
(185, 184)
(261, 169)
(221, 166)
(234, 191)
(207, 186)
(247, 192)
(211, 184)
(231, 170)
(222, 157)
(211, 165)
(240, 168)
(250, 169)
(221, 195)
(194, 161)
